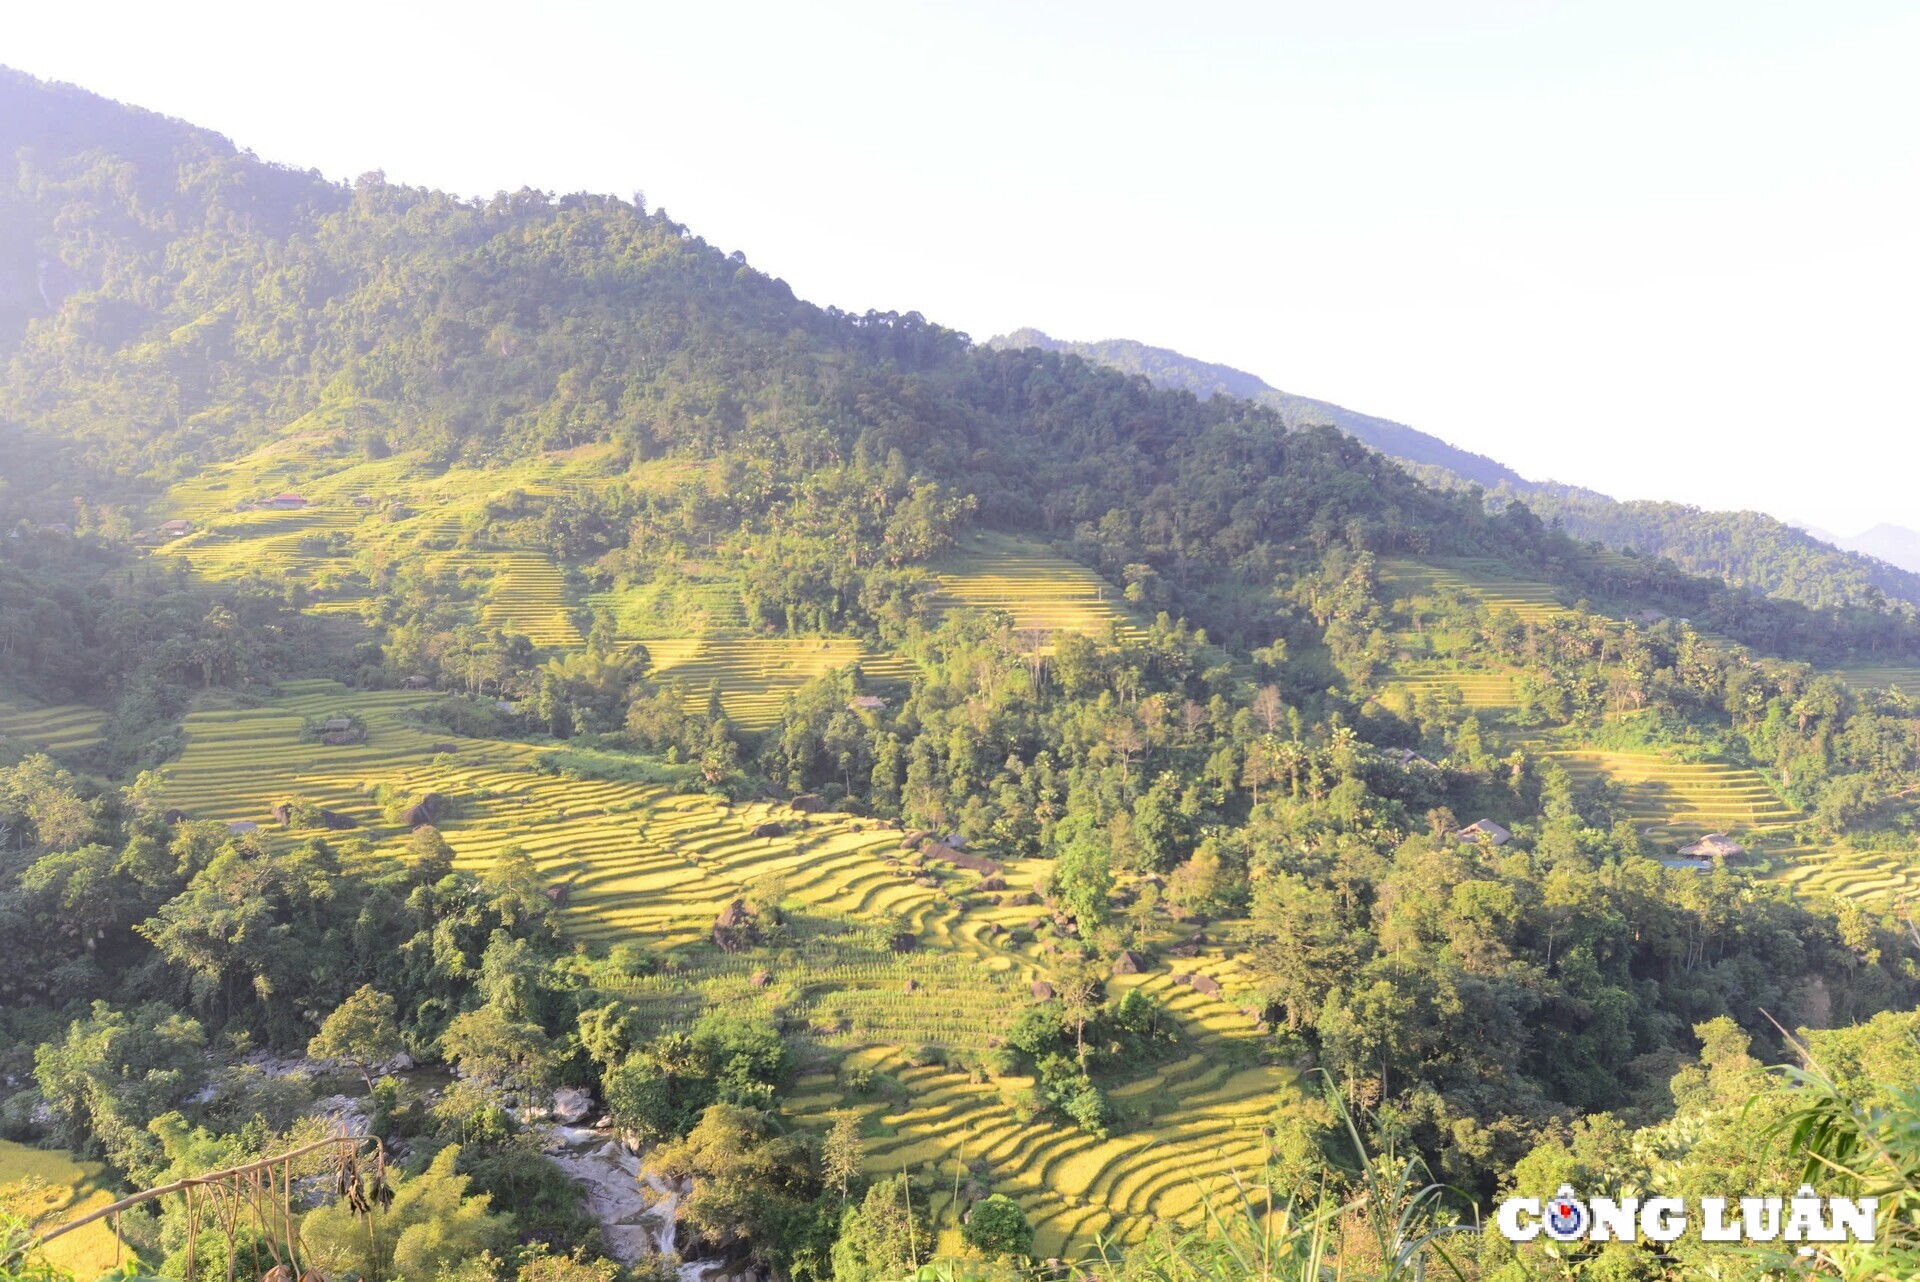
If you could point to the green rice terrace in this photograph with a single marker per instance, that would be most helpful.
(1906, 680)
(648, 863)
(59, 730)
(1041, 591)
(1474, 577)
(1675, 801)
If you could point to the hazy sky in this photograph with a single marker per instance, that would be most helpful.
(1665, 250)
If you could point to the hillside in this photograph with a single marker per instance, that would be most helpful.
(1747, 549)
(512, 667)
(1167, 368)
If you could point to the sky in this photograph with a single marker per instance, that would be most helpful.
(1663, 250)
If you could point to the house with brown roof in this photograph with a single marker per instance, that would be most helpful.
(177, 528)
(286, 502)
(1715, 845)
(867, 703)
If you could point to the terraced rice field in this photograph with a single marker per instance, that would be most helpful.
(1869, 876)
(529, 596)
(1677, 800)
(1490, 690)
(352, 497)
(1476, 577)
(240, 762)
(757, 673)
(47, 1189)
(57, 729)
(645, 864)
(1041, 591)
(1199, 1122)
(1904, 679)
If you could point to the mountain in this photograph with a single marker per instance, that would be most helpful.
(1166, 368)
(1747, 549)
(1894, 544)
(881, 775)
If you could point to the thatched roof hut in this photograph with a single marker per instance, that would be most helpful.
(960, 858)
(423, 812)
(337, 723)
(1715, 845)
(733, 928)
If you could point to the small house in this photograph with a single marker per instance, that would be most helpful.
(176, 528)
(1407, 759)
(1484, 830)
(867, 703)
(416, 682)
(1715, 845)
(287, 502)
(334, 724)
(960, 858)
(362, 500)
(733, 928)
(424, 811)
(240, 827)
(1649, 617)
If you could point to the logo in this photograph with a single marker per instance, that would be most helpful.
(1806, 1217)
(1566, 1216)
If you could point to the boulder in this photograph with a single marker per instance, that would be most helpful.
(571, 1105)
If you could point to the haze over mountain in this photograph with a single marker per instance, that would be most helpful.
(1751, 549)
(1894, 544)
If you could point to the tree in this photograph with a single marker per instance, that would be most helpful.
(360, 1032)
(490, 1045)
(998, 1227)
(884, 1238)
(428, 857)
(749, 1179)
(432, 1227)
(842, 1152)
(1079, 990)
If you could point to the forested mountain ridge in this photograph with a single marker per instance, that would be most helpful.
(1747, 549)
(934, 799)
(1168, 368)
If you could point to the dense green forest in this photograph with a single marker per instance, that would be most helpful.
(1263, 766)
(1745, 549)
